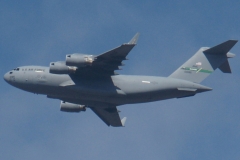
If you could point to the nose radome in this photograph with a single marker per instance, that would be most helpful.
(5, 77)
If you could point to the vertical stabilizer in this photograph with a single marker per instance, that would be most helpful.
(205, 61)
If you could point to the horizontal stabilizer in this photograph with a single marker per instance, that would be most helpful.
(225, 68)
(222, 48)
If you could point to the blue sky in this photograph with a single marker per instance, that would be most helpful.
(206, 126)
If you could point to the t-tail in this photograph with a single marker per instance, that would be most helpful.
(205, 61)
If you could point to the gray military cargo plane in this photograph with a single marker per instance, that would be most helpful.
(88, 81)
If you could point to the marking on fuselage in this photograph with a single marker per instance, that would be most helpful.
(146, 82)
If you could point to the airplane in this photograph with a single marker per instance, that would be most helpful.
(90, 81)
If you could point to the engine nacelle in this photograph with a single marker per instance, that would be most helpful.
(61, 68)
(71, 107)
(79, 60)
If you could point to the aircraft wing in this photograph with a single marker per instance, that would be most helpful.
(109, 115)
(111, 60)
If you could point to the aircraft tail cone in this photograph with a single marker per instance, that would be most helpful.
(204, 89)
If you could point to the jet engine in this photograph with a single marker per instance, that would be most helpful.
(79, 60)
(71, 107)
(60, 67)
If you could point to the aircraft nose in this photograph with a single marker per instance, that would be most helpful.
(6, 77)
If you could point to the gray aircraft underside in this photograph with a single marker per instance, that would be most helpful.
(90, 81)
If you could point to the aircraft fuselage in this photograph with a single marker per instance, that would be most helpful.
(115, 89)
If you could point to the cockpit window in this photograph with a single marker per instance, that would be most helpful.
(16, 69)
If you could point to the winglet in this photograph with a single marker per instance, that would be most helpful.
(123, 121)
(134, 39)
(222, 48)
